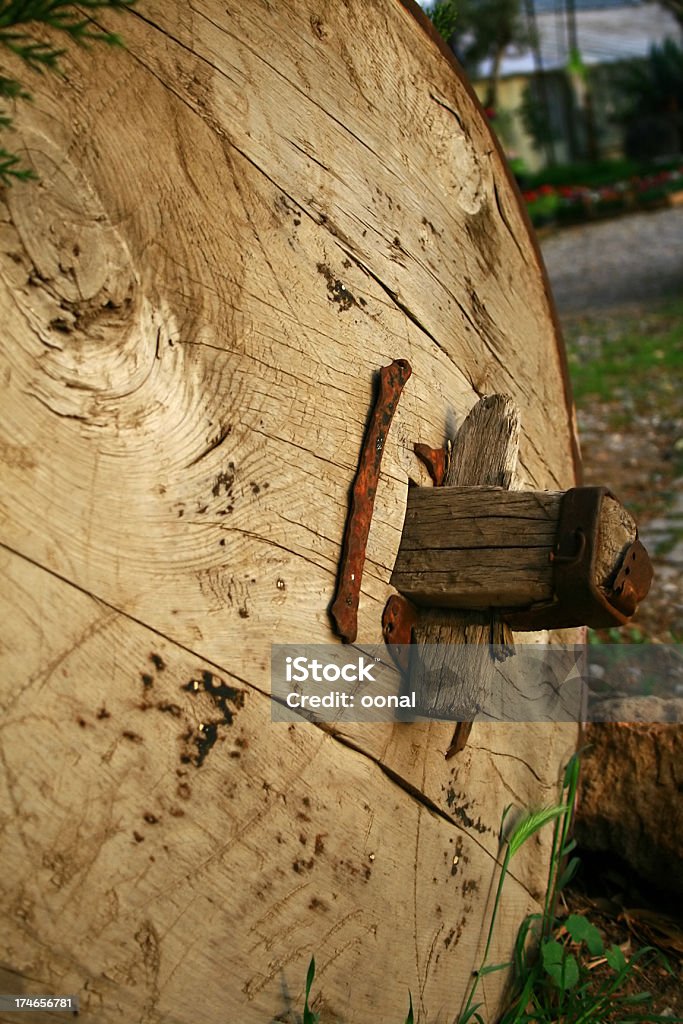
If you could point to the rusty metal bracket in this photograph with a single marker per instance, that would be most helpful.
(398, 619)
(578, 601)
(633, 580)
(435, 459)
(344, 609)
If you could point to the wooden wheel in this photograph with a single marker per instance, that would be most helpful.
(238, 220)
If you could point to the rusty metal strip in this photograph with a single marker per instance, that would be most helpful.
(461, 734)
(344, 610)
(633, 580)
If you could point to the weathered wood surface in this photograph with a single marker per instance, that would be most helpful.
(616, 533)
(485, 449)
(484, 452)
(238, 221)
(478, 547)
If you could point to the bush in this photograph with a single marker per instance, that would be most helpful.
(652, 101)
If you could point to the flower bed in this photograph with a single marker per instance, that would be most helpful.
(573, 204)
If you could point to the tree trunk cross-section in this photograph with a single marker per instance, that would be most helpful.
(239, 219)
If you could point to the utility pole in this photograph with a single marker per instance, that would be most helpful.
(580, 89)
(539, 74)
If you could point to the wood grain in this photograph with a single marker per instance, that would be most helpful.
(617, 532)
(477, 547)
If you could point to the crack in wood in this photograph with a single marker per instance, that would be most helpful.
(132, 618)
(506, 222)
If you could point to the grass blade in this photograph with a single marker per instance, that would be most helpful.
(529, 825)
(309, 1016)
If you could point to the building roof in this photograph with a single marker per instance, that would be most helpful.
(612, 32)
(550, 6)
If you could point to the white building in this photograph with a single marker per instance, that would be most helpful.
(605, 34)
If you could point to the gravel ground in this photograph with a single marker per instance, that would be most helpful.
(613, 272)
(625, 261)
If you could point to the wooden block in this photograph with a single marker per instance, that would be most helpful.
(477, 547)
(484, 547)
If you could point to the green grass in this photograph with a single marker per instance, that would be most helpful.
(641, 357)
(314, 1018)
(626, 370)
(618, 635)
(309, 1016)
(551, 974)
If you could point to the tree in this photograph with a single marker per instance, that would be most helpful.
(194, 303)
(652, 101)
(443, 15)
(674, 7)
(482, 30)
(534, 113)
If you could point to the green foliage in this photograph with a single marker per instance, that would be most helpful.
(551, 980)
(650, 86)
(618, 635)
(562, 969)
(642, 358)
(575, 64)
(313, 1018)
(529, 825)
(581, 930)
(486, 27)
(443, 16)
(605, 172)
(534, 116)
(651, 93)
(479, 30)
(675, 7)
(513, 839)
(62, 16)
(543, 207)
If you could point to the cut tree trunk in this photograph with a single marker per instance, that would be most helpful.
(239, 219)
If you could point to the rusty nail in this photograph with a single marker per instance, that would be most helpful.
(435, 459)
(460, 738)
(344, 610)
